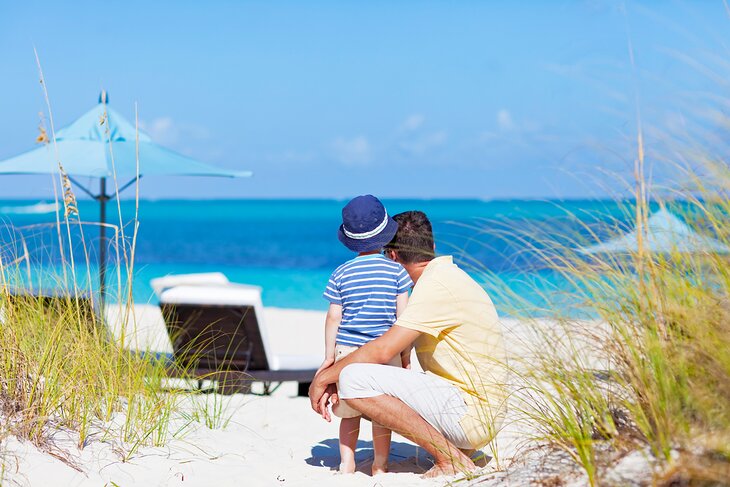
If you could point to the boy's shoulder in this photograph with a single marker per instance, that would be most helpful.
(340, 268)
(377, 264)
(376, 260)
(343, 267)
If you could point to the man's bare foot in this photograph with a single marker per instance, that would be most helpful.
(379, 468)
(449, 468)
(347, 467)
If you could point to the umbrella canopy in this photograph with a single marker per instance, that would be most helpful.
(665, 233)
(101, 144)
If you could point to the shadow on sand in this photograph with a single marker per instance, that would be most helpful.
(404, 457)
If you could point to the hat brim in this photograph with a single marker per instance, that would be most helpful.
(369, 244)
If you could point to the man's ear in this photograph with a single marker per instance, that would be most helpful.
(391, 254)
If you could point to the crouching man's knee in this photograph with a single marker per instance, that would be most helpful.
(350, 383)
(355, 382)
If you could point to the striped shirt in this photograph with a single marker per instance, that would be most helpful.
(366, 287)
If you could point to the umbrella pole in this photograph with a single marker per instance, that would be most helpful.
(103, 198)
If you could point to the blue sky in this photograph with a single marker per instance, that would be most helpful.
(400, 99)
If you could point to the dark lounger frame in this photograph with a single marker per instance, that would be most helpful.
(223, 343)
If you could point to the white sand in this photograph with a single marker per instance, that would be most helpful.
(275, 440)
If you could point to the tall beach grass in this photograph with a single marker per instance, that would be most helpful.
(640, 358)
(61, 369)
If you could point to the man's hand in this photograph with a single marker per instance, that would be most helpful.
(330, 395)
(322, 393)
(316, 391)
(319, 396)
(405, 358)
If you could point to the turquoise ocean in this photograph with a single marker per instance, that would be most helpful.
(290, 247)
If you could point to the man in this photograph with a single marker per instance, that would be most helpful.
(458, 404)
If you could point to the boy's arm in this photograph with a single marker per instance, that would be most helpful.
(401, 301)
(331, 324)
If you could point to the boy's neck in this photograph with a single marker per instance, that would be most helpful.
(370, 252)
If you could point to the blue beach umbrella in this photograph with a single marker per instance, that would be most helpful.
(664, 234)
(101, 144)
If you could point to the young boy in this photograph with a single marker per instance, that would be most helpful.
(366, 294)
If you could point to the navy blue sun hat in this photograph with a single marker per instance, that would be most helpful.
(366, 225)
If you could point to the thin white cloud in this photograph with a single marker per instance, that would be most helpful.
(523, 129)
(412, 138)
(412, 123)
(161, 129)
(504, 120)
(424, 143)
(353, 151)
(165, 131)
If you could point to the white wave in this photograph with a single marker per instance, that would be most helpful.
(36, 209)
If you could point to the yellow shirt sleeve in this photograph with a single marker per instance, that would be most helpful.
(430, 309)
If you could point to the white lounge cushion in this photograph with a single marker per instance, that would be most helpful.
(159, 284)
(228, 294)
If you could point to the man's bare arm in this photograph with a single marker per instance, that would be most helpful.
(378, 351)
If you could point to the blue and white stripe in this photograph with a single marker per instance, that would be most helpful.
(366, 287)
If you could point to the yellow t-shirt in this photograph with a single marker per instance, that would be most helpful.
(461, 342)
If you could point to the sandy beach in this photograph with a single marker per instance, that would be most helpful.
(272, 440)
(268, 440)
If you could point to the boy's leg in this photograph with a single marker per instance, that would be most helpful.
(349, 431)
(381, 448)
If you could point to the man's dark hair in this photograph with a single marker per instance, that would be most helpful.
(414, 239)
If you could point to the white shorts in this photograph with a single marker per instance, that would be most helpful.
(342, 410)
(437, 401)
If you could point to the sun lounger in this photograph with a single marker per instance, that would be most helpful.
(218, 331)
(56, 303)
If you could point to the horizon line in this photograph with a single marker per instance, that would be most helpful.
(345, 198)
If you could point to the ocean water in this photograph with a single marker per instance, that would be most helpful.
(290, 247)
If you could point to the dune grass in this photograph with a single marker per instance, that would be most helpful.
(61, 370)
(649, 369)
(632, 351)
